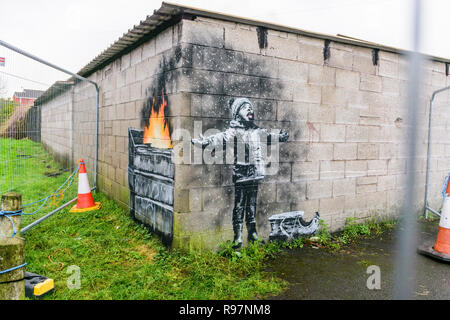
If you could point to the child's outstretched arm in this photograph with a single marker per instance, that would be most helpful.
(217, 140)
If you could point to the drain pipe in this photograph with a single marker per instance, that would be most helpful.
(51, 65)
(427, 181)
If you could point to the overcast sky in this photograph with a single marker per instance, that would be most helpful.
(71, 33)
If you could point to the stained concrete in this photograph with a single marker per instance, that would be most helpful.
(321, 274)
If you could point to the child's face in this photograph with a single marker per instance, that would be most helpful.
(246, 112)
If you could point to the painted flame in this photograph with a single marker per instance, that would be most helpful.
(157, 133)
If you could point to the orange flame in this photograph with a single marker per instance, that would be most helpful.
(157, 133)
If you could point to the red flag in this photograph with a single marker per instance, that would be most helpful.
(2, 62)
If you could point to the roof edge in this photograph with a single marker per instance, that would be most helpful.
(170, 13)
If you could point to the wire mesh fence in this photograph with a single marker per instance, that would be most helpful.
(37, 149)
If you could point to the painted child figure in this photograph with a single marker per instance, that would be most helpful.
(249, 166)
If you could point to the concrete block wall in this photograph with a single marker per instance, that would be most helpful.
(346, 117)
(57, 127)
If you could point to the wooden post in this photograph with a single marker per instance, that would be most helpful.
(12, 254)
(11, 201)
(12, 251)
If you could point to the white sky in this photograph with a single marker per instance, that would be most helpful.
(71, 33)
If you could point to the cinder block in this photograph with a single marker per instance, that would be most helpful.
(218, 198)
(364, 64)
(386, 183)
(390, 56)
(347, 79)
(438, 79)
(319, 189)
(216, 59)
(125, 62)
(206, 34)
(388, 150)
(292, 111)
(267, 193)
(291, 192)
(370, 83)
(136, 56)
(396, 166)
(390, 87)
(345, 151)
(388, 69)
(355, 205)
(306, 93)
(311, 53)
(136, 91)
(200, 81)
(276, 89)
(377, 201)
(336, 96)
(284, 48)
(322, 75)
(293, 70)
(320, 151)
(263, 66)
(240, 40)
(310, 207)
(368, 151)
(344, 187)
(366, 180)
(149, 49)
(331, 205)
(355, 168)
(377, 167)
(241, 85)
(180, 104)
(293, 151)
(340, 59)
(321, 113)
(332, 133)
(347, 115)
(305, 171)
(366, 188)
(357, 134)
(332, 170)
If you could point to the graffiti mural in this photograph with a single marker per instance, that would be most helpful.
(249, 164)
(153, 159)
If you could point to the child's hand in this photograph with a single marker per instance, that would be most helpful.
(201, 142)
(284, 136)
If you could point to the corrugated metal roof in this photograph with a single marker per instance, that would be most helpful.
(58, 88)
(171, 13)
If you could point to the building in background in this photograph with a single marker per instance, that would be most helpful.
(27, 96)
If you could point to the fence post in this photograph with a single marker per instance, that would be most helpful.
(11, 201)
(12, 252)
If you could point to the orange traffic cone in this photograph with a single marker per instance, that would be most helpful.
(441, 248)
(442, 244)
(85, 201)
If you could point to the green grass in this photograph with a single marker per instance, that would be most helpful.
(352, 232)
(119, 259)
(25, 168)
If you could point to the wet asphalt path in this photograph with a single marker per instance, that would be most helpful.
(320, 274)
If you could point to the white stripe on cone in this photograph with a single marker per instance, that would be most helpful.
(445, 214)
(83, 183)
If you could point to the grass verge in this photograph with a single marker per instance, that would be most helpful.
(116, 257)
